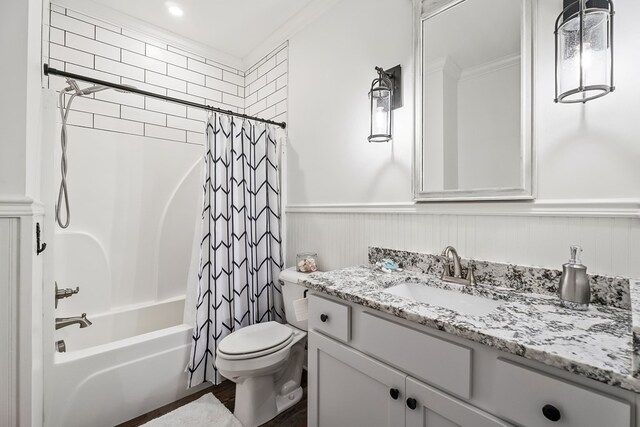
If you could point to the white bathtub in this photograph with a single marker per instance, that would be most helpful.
(127, 363)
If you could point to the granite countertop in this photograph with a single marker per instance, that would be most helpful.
(597, 344)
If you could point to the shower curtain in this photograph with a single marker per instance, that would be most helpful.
(240, 238)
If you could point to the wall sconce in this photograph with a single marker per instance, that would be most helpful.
(584, 51)
(385, 96)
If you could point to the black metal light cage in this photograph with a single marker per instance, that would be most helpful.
(379, 85)
(580, 9)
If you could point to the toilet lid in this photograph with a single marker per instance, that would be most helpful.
(256, 338)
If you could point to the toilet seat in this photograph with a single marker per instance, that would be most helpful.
(255, 341)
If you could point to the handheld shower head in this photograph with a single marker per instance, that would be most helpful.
(73, 86)
(98, 88)
(92, 89)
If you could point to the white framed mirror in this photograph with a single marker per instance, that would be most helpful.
(474, 62)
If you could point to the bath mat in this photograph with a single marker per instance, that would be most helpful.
(204, 412)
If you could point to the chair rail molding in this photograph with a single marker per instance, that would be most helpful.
(615, 208)
(20, 206)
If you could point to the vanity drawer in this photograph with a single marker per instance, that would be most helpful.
(330, 317)
(522, 393)
(441, 363)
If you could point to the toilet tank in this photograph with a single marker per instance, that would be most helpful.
(291, 291)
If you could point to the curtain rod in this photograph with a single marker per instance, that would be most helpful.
(54, 72)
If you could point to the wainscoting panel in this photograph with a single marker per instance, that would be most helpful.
(611, 244)
(8, 320)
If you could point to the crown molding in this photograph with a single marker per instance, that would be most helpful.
(111, 16)
(613, 208)
(446, 65)
(19, 206)
(491, 66)
(308, 14)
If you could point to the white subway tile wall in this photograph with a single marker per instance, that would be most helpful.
(86, 45)
(265, 86)
(89, 46)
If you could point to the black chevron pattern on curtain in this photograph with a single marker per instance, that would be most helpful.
(241, 242)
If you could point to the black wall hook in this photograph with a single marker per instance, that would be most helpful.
(39, 247)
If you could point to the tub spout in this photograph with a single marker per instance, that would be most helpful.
(62, 322)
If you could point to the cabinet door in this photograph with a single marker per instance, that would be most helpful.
(428, 407)
(347, 388)
(570, 405)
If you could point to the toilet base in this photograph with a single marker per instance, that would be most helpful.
(257, 402)
(287, 401)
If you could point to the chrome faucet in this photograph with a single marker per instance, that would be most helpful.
(456, 277)
(62, 322)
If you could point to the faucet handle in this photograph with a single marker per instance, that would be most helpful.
(471, 278)
(64, 293)
(446, 269)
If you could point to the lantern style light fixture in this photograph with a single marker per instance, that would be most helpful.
(385, 96)
(584, 51)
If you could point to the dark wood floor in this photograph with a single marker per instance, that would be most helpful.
(295, 416)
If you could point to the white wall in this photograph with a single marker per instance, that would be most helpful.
(21, 381)
(440, 154)
(583, 151)
(489, 154)
(331, 68)
(20, 41)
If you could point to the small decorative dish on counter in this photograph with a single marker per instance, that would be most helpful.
(307, 262)
(387, 266)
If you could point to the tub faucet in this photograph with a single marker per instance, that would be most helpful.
(456, 277)
(62, 322)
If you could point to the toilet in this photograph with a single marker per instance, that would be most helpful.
(265, 360)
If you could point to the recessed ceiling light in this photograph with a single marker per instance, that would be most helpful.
(174, 9)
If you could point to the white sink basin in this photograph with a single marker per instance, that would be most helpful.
(462, 303)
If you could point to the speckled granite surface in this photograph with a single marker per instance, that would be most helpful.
(606, 290)
(635, 321)
(596, 344)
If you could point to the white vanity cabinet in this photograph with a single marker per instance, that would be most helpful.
(433, 408)
(349, 388)
(367, 368)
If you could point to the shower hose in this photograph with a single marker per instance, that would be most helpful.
(62, 207)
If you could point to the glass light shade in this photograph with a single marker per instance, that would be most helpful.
(380, 112)
(584, 54)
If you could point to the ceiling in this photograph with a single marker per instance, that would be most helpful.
(235, 27)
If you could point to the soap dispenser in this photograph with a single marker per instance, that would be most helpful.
(574, 290)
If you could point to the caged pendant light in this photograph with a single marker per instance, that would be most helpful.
(385, 96)
(584, 51)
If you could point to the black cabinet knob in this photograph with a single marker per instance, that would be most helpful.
(551, 413)
(394, 393)
(412, 403)
(324, 317)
